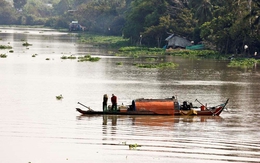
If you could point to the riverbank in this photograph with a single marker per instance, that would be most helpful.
(123, 47)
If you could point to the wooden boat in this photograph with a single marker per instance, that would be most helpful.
(160, 107)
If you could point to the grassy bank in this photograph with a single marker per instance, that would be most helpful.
(124, 48)
(101, 40)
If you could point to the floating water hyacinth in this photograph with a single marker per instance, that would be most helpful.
(3, 55)
(60, 97)
(119, 63)
(134, 146)
(69, 57)
(88, 58)
(5, 47)
(27, 44)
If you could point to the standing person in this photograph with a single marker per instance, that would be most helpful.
(105, 98)
(114, 102)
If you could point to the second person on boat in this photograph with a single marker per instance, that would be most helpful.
(114, 102)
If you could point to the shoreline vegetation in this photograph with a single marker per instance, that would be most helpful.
(123, 48)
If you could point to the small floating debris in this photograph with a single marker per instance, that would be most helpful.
(88, 58)
(60, 97)
(27, 44)
(119, 63)
(69, 57)
(158, 65)
(5, 47)
(3, 55)
(134, 146)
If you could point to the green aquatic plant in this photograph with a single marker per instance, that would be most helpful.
(72, 57)
(34, 55)
(150, 59)
(157, 65)
(69, 57)
(11, 51)
(101, 40)
(88, 58)
(60, 97)
(27, 44)
(195, 53)
(133, 146)
(64, 57)
(139, 51)
(5, 47)
(47, 59)
(119, 63)
(243, 63)
(3, 55)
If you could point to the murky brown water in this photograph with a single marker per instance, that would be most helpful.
(37, 128)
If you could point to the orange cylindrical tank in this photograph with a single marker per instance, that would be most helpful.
(158, 106)
(202, 108)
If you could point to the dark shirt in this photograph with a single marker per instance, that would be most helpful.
(105, 100)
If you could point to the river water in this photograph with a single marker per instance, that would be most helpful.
(36, 127)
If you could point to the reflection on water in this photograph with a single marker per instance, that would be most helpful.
(189, 139)
(35, 127)
(145, 120)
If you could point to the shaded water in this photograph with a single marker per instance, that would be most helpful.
(35, 127)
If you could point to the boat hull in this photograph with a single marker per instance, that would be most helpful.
(88, 112)
(213, 111)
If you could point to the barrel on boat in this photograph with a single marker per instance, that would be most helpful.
(158, 106)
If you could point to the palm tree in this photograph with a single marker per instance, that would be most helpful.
(203, 11)
(255, 13)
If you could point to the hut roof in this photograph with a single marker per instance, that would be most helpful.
(177, 41)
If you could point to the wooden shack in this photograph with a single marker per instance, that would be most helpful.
(174, 41)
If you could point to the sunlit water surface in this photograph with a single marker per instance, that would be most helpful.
(37, 128)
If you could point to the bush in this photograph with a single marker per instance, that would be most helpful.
(243, 63)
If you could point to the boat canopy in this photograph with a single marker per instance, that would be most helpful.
(158, 106)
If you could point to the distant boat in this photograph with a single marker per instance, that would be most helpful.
(168, 106)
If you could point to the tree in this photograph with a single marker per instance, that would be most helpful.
(254, 18)
(63, 6)
(102, 16)
(157, 31)
(229, 30)
(203, 10)
(8, 14)
(18, 4)
(152, 19)
(135, 19)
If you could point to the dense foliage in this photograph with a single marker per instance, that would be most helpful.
(229, 26)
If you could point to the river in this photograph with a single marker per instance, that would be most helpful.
(36, 127)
